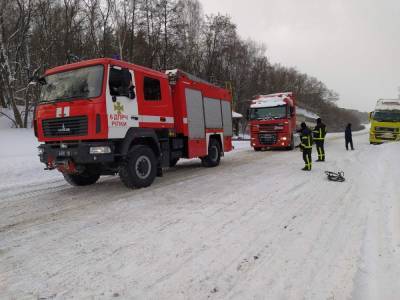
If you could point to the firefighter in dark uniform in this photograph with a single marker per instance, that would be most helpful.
(319, 134)
(306, 146)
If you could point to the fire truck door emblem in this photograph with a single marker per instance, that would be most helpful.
(119, 108)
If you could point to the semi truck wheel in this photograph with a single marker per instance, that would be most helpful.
(83, 179)
(139, 168)
(214, 155)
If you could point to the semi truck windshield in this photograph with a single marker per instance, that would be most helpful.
(80, 83)
(268, 113)
(387, 116)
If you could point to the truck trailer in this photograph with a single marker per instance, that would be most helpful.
(108, 117)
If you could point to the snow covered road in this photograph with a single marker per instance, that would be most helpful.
(254, 228)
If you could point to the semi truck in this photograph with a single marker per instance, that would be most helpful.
(110, 117)
(272, 120)
(385, 121)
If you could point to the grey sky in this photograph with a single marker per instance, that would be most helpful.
(353, 46)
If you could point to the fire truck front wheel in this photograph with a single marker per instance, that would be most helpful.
(214, 154)
(83, 179)
(139, 169)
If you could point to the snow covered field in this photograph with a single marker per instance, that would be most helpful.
(254, 228)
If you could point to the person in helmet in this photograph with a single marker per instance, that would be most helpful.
(306, 146)
(319, 134)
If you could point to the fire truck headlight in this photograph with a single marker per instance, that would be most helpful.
(100, 150)
(284, 138)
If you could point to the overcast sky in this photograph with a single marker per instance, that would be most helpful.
(353, 46)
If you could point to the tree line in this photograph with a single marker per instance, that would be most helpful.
(159, 34)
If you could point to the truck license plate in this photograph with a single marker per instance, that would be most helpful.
(64, 153)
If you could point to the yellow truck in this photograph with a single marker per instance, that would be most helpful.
(385, 121)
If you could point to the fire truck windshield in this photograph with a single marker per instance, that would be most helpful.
(268, 113)
(387, 116)
(79, 83)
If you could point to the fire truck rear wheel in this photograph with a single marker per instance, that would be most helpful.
(214, 154)
(139, 168)
(83, 179)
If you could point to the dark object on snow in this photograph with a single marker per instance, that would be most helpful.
(348, 137)
(338, 177)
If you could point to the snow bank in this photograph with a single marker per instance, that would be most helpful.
(5, 122)
(19, 162)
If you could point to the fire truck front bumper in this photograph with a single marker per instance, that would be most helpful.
(54, 155)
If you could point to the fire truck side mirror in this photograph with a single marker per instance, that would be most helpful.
(370, 115)
(248, 114)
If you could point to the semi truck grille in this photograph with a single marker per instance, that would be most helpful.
(71, 126)
(271, 127)
(385, 129)
(386, 136)
(267, 138)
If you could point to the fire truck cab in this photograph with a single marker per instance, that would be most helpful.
(107, 117)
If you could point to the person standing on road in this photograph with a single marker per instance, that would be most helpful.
(319, 133)
(348, 137)
(306, 146)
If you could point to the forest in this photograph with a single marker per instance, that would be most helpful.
(161, 34)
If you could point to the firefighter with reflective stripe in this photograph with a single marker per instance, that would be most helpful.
(319, 134)
(306, 146)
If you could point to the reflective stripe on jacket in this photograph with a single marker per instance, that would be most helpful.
(319, 132)
(306, 139)
(306, 142)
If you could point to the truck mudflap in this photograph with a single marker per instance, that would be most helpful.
(70, 155)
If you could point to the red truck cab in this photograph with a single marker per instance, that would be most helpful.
(272, 120)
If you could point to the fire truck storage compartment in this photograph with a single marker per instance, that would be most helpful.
(195, 114)
(227, 118)
(212, 109)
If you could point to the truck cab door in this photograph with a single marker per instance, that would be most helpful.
(154, 100)
(122, 105)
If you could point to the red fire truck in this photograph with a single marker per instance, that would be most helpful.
(108, 117)
(273, 121)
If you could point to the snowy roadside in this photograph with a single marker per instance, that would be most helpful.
(20, 165)
(19, 162)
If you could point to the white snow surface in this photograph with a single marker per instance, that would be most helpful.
(256, 227)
